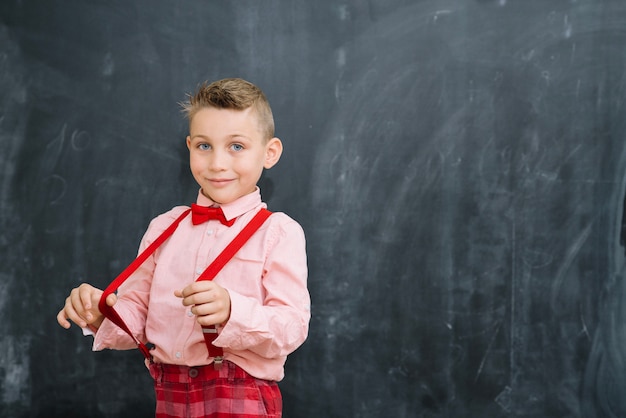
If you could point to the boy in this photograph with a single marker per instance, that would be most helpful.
(258, 301)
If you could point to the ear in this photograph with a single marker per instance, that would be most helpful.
(188, 142)
(273, 151)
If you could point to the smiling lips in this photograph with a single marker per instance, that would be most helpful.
(219, 182)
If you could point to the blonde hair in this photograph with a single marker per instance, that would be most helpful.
(236, 94)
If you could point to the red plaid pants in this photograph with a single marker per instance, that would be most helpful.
(199, 392)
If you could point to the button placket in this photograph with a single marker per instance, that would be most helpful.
(207, 242)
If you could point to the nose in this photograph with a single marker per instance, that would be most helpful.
(218, 161)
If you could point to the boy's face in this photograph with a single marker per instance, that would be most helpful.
(227, 152)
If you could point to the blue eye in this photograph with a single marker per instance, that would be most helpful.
(237, 147)
(204, 147)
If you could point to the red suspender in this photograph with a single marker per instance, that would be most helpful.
(107, 310)
(210, 333)
(208, 274)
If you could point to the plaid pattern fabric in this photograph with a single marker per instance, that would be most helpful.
(203, 392)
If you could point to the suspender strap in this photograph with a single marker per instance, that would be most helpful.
(107, 310)
(208, 274)
(210, 332)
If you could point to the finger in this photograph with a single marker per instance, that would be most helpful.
(85, 293)
(208, 320)
(190, 300)
(216, 318)
(185, 292)
(203, 309)
(72, 314)
(74, 308)
(207, 317)
(218, 306)
(62, 320)
(196, 287)
(201, 298)
(188, 294)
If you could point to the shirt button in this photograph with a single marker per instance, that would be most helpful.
(209, 232)
(189, 314)
(198, 271)
(178, 355)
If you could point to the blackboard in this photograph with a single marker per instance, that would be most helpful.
(458, 167)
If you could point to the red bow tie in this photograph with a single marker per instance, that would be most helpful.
(200, 214)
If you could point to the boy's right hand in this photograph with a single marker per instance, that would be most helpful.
(81, 307)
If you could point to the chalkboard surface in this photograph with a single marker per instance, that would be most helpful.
(458, 167)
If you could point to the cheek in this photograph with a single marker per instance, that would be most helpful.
(195, 163)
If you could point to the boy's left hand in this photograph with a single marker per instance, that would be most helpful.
(209, 301)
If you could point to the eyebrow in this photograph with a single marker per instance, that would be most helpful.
(206, 137)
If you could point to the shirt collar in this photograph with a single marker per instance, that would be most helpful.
(234, 209)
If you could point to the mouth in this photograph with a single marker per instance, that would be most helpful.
(219, 182)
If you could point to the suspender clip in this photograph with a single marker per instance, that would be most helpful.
(217, 362)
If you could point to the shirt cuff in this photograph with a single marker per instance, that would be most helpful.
(89, 330)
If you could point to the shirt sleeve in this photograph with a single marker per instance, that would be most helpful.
(279, 324)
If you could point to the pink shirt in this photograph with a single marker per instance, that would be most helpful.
(266, 280)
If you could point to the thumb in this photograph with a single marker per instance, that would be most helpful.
(111, 299)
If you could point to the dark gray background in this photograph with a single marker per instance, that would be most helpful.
(458, 167)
